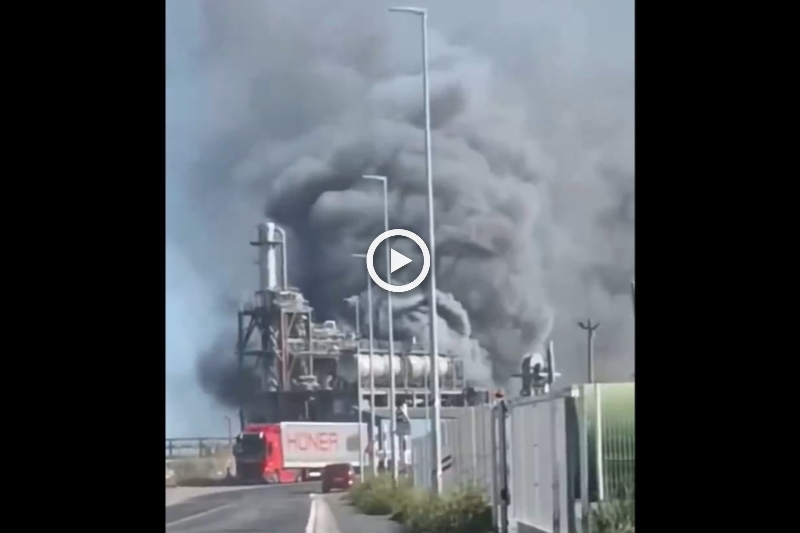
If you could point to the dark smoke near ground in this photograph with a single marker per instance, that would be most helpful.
(219, 373)
(533, 143)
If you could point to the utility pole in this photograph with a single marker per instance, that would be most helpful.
(389, 307)
(633, 296)
(422, 13)
(590, 328)
(358, 320)
(355, 300)
(372, 423)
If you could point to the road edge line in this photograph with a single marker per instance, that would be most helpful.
(312, 515)
(198, 515)
(325, 521)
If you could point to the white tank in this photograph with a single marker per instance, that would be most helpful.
(420, 365)
(417, 367)
(349, 367)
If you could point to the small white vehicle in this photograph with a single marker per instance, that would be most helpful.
(171, 480)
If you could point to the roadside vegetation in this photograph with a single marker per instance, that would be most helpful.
(617, 515)
(460, 511)
(188, 471)
(465, 510)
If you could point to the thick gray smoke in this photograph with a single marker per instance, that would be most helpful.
(533, 131)
(412, 323)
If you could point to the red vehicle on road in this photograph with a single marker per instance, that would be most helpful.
(258, 456)
(291, 452)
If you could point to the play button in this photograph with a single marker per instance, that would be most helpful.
(398, 261)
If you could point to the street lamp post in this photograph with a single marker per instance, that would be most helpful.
(354, 300)
(434, 334)
(392, 419)
(373, 462)
(590, 328)
(230, 430)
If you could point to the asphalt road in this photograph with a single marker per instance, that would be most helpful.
(267, 509)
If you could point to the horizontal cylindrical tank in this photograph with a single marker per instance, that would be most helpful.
(420, 365)
(350, 367)
(415, 367)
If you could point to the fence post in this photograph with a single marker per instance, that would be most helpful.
(494, 462)
(556, 465)
(505, 496)
(598, 430)
(572, 436)
(584, 460)
(474, 429)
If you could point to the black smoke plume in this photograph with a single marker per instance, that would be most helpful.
(533, 130)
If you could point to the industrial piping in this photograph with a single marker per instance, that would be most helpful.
(267, 263)
(284, 255)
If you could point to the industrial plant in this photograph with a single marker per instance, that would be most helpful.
(296, 369)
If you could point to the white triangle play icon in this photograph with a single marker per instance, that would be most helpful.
(398, 260)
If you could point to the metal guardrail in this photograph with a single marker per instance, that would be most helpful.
(196, 446)
(540, 460)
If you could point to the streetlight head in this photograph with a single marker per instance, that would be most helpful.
(361, 256)
(373, 177)
(414, 10)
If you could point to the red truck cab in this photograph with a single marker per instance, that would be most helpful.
(259, 458)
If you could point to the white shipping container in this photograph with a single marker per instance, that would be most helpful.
(316, 444)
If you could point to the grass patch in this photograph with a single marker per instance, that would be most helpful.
(465, 510)
(461, 511)
(376, 495)
(617, 515)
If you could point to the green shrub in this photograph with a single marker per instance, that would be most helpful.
(461, 511)
(374, 496)
(406, 500)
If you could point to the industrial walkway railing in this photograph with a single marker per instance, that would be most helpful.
(196, 446)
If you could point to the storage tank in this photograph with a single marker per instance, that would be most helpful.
(350, 367)
(420, 365)
(415, 367)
